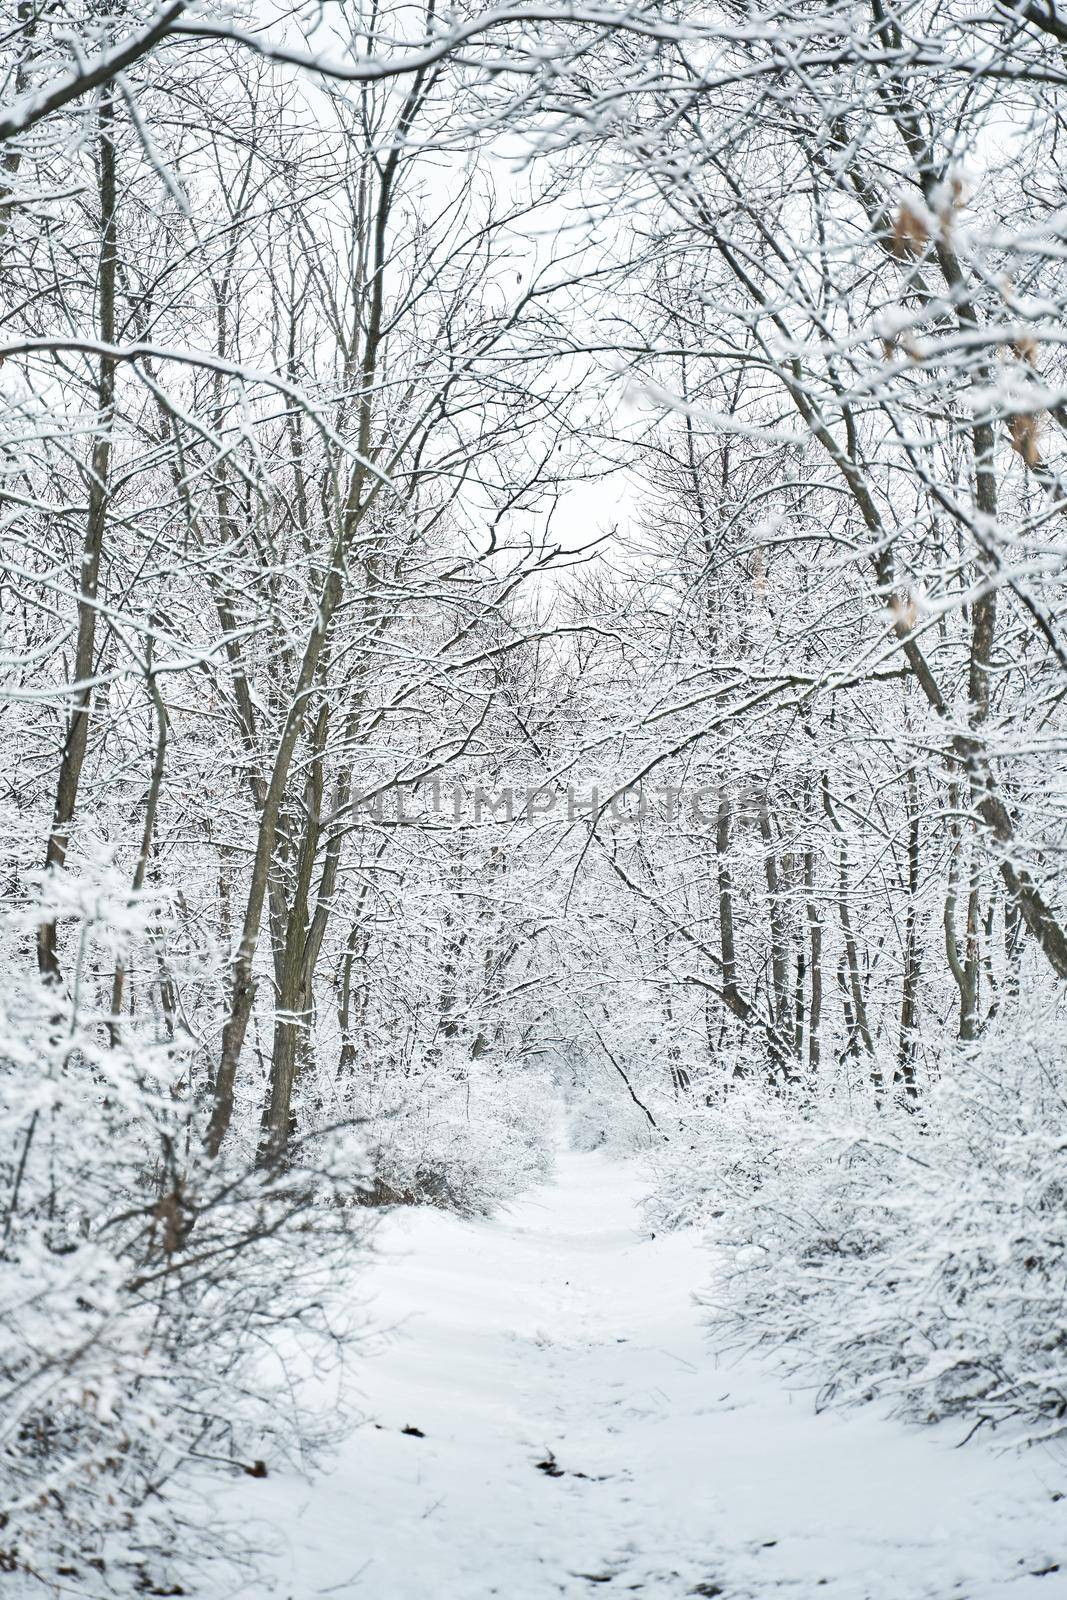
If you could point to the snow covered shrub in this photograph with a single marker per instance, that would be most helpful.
(464, 1135)
(601, 1113)
(921, 1257)
(713, 1152)
(157, 1310)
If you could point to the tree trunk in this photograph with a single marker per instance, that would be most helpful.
(151, 806)
(815, 938)
(777, 920)
(909, 1000)
(857, 1008)
(75, 743)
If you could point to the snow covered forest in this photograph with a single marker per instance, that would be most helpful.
(534, 652)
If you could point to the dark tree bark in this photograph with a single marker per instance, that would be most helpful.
(75, 743)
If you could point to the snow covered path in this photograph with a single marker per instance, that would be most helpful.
(561, 1333)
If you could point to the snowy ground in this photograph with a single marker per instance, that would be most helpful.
(562, 1336)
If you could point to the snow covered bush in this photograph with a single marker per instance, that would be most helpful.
(918, 1257)
(601, 1113)
(157, 1309)
(715, 1152)
(464, 1139)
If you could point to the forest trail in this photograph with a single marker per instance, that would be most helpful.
(578, 1438)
